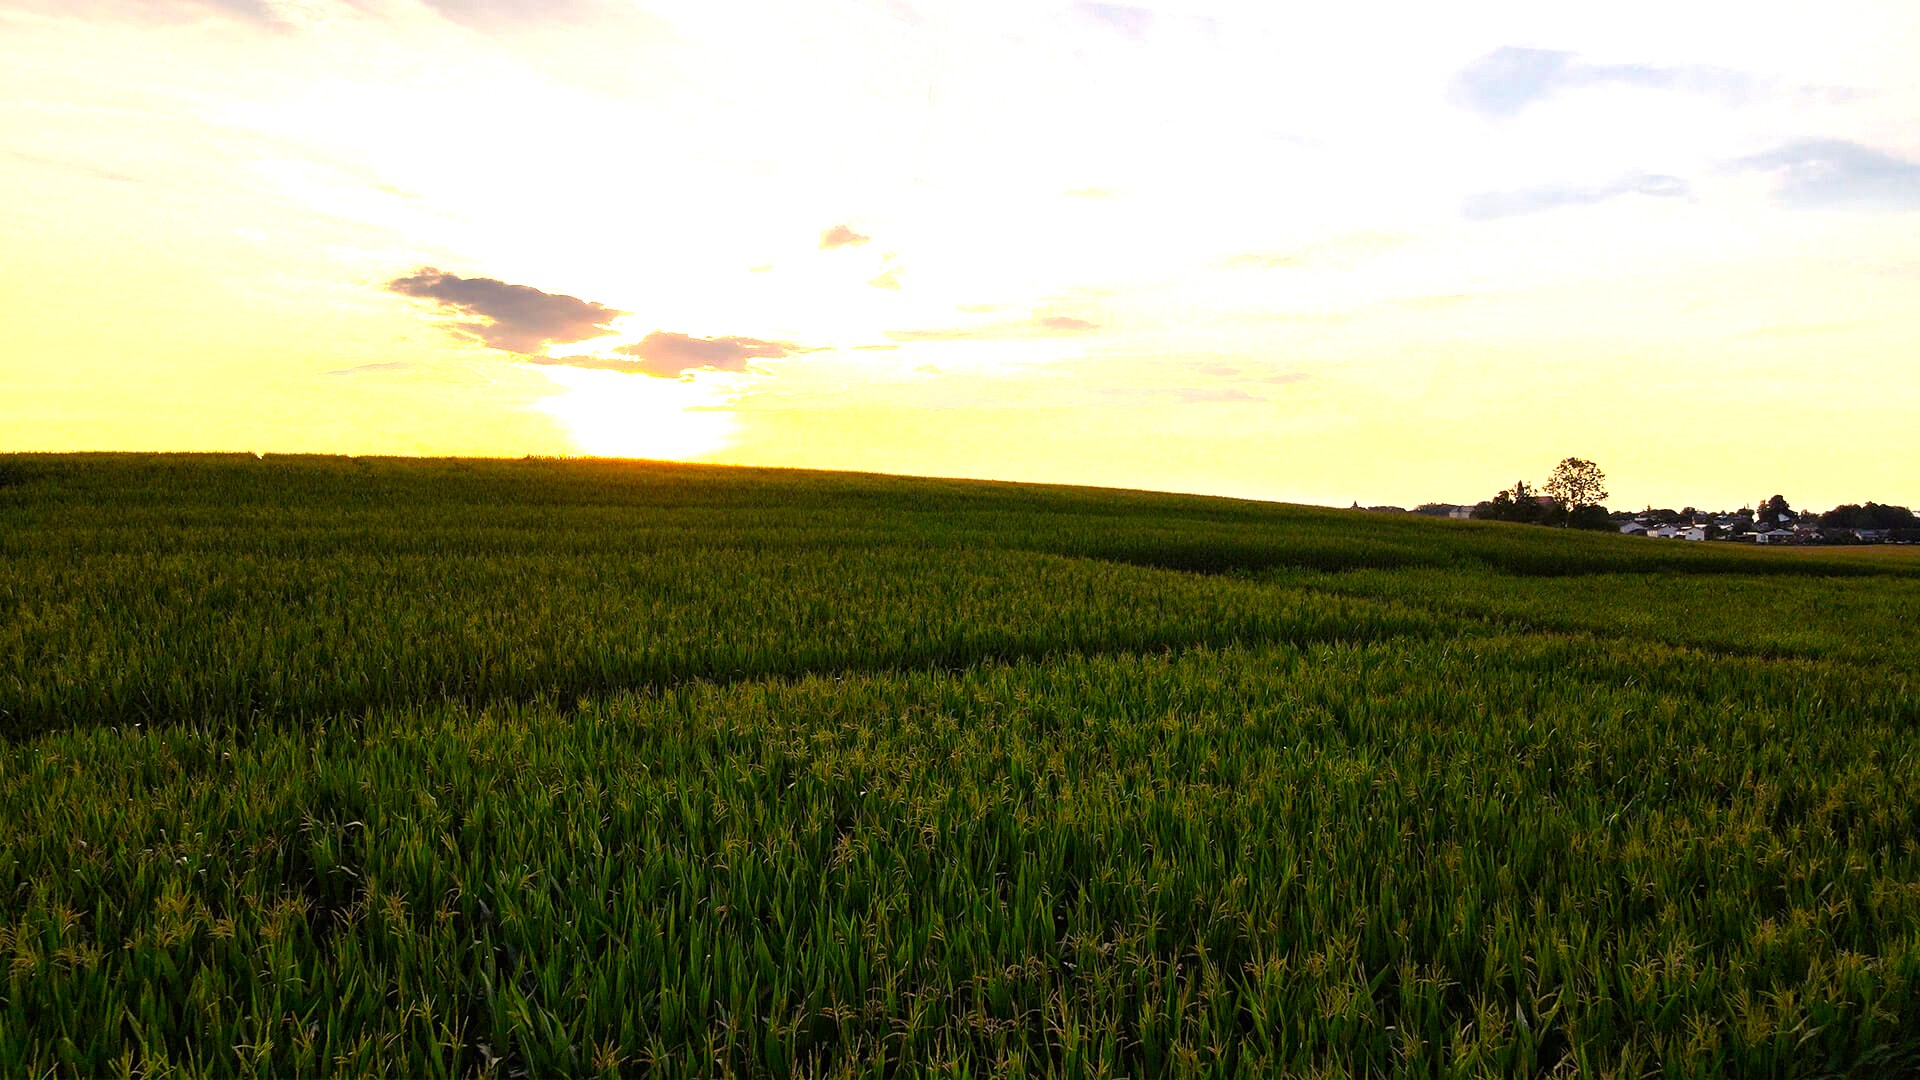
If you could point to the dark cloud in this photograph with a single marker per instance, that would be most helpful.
(1499, 204)
(1129, 20)
(841, 236)
(1507, 80)
(675, 353)
(1836, 174)
(516, 318)
(667, 355)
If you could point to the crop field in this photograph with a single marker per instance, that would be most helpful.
(586, 768)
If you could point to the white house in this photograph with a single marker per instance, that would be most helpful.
(1773, 536)
(1633, 528)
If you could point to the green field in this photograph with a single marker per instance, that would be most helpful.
(367, 766)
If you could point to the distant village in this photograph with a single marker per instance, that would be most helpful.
(1773, 523)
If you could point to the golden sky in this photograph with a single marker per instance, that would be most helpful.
(1384, 252)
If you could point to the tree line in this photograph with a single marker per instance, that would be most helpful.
(1572, 495)
(1571, 499)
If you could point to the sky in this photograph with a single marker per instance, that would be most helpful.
(1386, 253)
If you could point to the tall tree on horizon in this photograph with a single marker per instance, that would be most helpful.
(1575, 483)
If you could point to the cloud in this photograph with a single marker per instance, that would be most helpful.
(672, 354)
(464, 11)
(1346, 250)
(515, 318)
(1129, 20)
(1213, 395)
(1836, 174)
(841, 236)
(668, 355)
(558, 11)
(906, 13)
(261, 13)
(259, 10)
(1037, 327)
(74, 167)
(886, 279)
(370, 369)
(1067, 324)
(1508, 80)
(1263, 260)
(1490, 205)
(1090, 193)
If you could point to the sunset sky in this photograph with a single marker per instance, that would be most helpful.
(1319, 253)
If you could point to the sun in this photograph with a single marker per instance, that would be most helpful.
(615, 414)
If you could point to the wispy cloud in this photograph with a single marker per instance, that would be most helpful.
(1066, 324)
(568, 12)
(1215, 395)
(1840, 175)
(886, 279)
(667, 355)
(1345, 250)
(1508, 80)
(1090, 193)
(1263, 260)
(74, 167)
(1127, 19)
(257, 10)
(1489, 205)
(515, 318)
(371, 369)
(476, 13)
(841, 236)
(1040, 326)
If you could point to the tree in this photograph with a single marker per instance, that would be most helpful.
(1773, 510)
(1518, 503)
(1871, 516)
(1577, 483)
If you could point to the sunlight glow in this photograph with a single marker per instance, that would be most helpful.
(613, 414)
